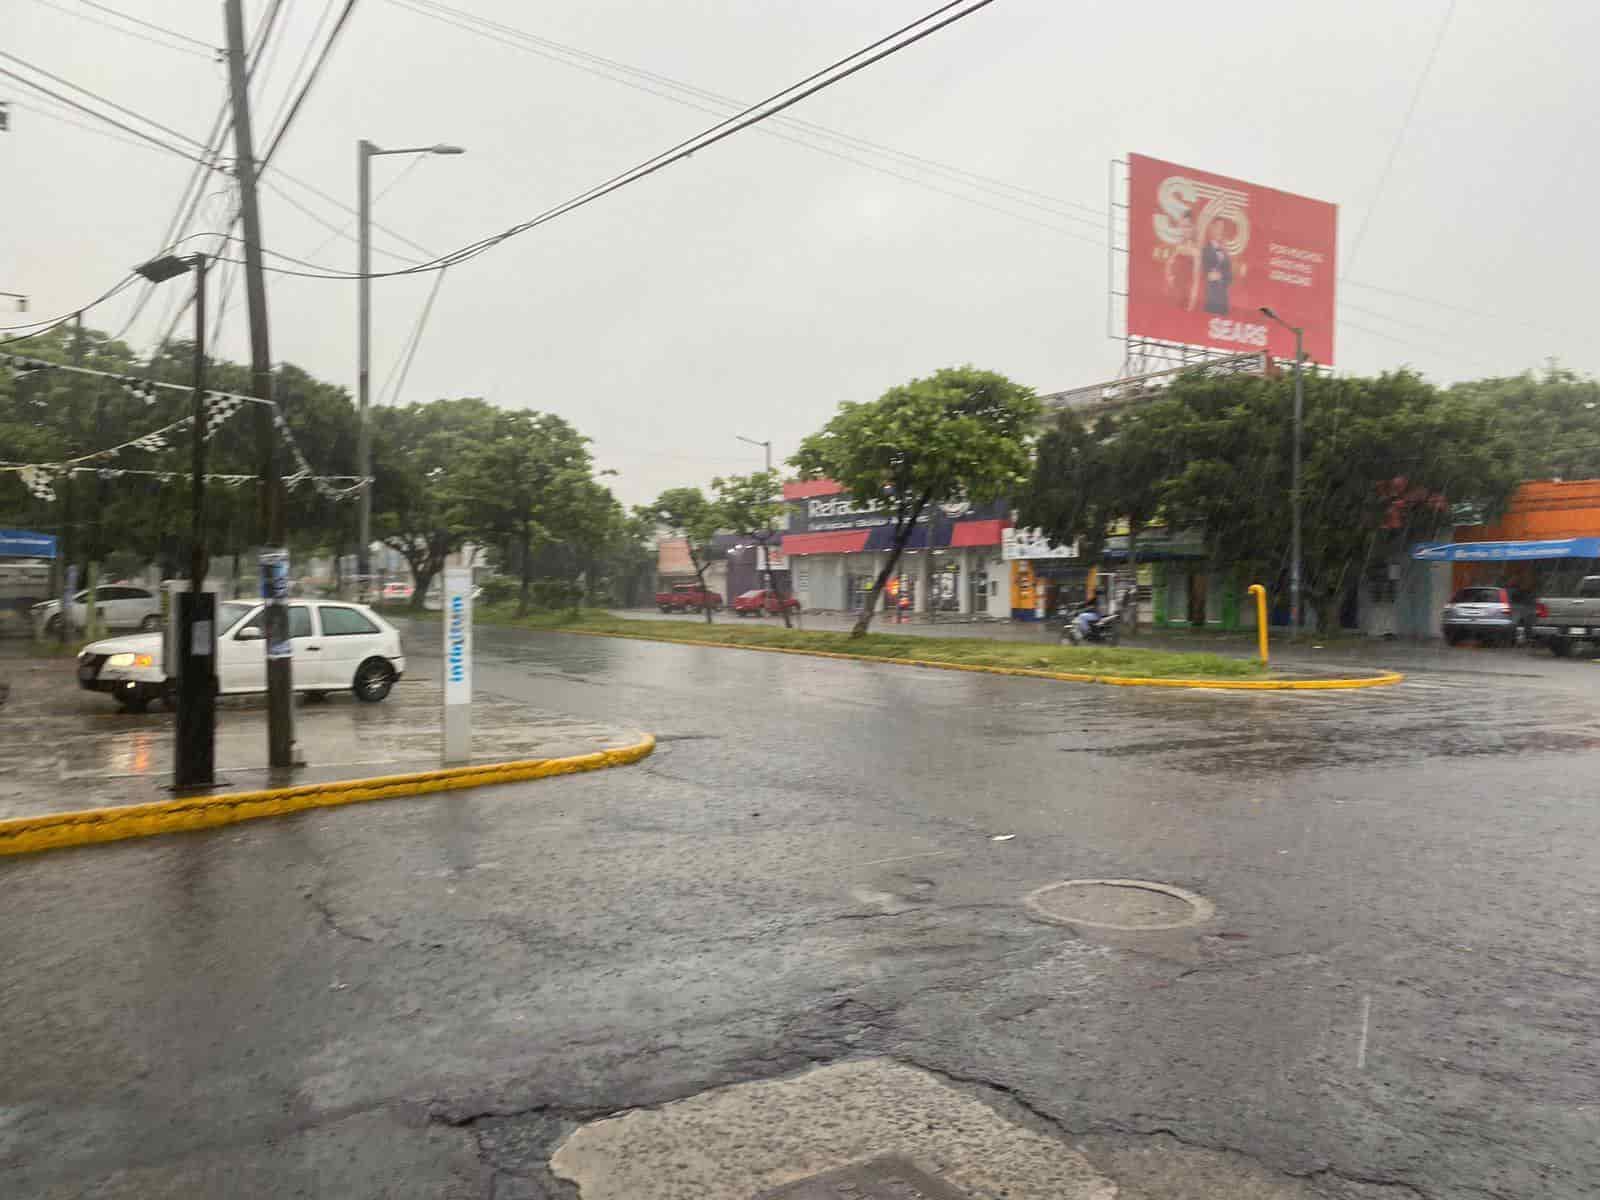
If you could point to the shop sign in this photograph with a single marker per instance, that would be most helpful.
(1030, 543)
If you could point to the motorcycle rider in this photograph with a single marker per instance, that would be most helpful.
(1088, 615)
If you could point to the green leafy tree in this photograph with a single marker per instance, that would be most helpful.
(1385, 460)
(509, 486)
(685, 513)
(960, 434)
(416, 511)
(1556, 414)
(752, 506)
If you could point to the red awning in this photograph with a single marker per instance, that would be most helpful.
(847, 542)
(977, 533)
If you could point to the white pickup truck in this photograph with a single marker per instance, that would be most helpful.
(1567, 622)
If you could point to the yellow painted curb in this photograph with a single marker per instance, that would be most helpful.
(52, 831)
(1381, 679)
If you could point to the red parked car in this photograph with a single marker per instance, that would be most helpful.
(687, 597)
(760, 603)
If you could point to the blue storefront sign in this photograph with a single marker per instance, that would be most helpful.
(1577, 547)
(20, 543)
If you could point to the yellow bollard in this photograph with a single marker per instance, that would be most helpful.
(1260, 593)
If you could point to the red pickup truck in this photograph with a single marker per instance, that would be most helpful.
(762, 603)
(687, 597)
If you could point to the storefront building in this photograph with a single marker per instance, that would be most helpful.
(1543, 545)
(835, 546)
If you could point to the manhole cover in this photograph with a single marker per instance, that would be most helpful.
(892, 1177)
(1135, 904)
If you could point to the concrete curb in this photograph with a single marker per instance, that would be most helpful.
(1378, 679)
(53, 831)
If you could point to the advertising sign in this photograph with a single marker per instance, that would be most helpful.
(457, 664)
(1018, 544)
(275, 590)
(22, 543)
(1206, 253)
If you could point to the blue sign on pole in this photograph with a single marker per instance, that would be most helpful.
(21, 543)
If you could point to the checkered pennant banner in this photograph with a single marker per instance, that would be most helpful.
(40, 481)
(139, 389)
(151, 441)
(24, 366)
(219, 407)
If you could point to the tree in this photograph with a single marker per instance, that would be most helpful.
(510, 485)
(415, 508)
(960, 434)
(1556, 414)
(1385, 460)
(751, 505)
(686, 513)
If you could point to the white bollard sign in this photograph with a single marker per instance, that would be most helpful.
(457, 665)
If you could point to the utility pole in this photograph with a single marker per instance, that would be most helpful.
(364, 151)
(766, 542)
(280, 667)
(1294, 480)
(91, 579)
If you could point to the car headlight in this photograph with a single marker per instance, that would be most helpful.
(130, 660)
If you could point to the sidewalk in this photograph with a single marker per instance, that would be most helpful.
(1310, 652)
(63, 749)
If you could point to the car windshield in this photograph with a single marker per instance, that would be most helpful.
(229, 613)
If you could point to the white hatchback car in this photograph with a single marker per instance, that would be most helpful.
(336, 647)
(119, 605)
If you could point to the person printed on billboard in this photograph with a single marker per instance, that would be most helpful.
(1182, 267)
(1217, 264)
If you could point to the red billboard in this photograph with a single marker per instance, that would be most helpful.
(1206, 253)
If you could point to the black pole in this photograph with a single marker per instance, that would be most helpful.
(194, 763)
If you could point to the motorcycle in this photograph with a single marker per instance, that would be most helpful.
(1102, 630)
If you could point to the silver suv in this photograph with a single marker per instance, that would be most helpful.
(1491, 614)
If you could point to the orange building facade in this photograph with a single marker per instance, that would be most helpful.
(1540, 510)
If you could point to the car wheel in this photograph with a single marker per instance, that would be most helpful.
(53, 625)
(373, 680)
(1452, 637)
(1561, 647)
(135, 701)
(151, 623)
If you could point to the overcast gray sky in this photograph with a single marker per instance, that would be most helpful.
(753, 287)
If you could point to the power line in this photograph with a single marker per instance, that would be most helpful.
(326, 224)
(55, 322)
(403, 364)
(697, 98)
(133, 33)
(835, 72)
(103, 100)
(1400, 134)
(67, 100)
(311, 79)
(83, 125)
(182, 37)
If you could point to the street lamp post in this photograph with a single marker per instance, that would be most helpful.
(193, 647)
(1294, 486)
(766, 543)
(365, 152)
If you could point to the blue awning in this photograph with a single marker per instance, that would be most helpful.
(21, 543)
(1578, 547)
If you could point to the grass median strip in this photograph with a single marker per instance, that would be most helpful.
(958, 652)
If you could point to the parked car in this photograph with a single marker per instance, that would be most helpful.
(688, 597)
(336, 647)
(761, 603)
(1567, 622)
(1488, 613)
(397, 591)
(120, 605)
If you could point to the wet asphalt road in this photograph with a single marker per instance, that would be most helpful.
(1399, 994)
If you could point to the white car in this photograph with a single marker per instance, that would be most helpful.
(336, 647)
(120, 605)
